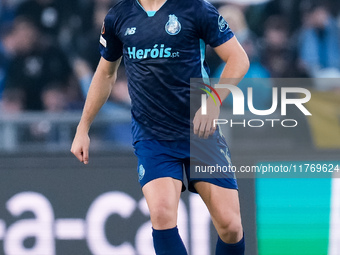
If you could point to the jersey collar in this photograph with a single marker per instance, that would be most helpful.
(150, 13)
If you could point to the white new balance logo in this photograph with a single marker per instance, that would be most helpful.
(130, 31)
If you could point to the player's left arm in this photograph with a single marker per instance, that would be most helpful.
(237, 65)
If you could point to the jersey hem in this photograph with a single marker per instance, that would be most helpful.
(220, 42)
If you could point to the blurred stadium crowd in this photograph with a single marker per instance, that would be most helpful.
(49, 48)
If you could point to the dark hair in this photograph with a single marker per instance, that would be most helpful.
(10, 27)
(277, 22)
(308, 6)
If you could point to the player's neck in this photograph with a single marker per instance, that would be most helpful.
(152, 5)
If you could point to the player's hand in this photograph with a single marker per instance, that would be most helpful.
(80, 146)
(204, 124)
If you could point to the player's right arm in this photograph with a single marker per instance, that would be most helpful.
(100, 89)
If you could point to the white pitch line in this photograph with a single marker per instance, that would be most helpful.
(334, 235)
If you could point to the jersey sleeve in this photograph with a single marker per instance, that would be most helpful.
(213, 28)
(110, 47)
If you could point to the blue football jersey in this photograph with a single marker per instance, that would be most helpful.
(161, 51)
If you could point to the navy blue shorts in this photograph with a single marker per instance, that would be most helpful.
(159, 158)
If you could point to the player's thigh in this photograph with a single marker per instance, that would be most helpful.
(223, 205)
(162, 196)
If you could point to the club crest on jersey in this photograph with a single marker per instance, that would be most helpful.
(222, 24)
(173, 26)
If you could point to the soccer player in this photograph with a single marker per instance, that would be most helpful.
(163, 43)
